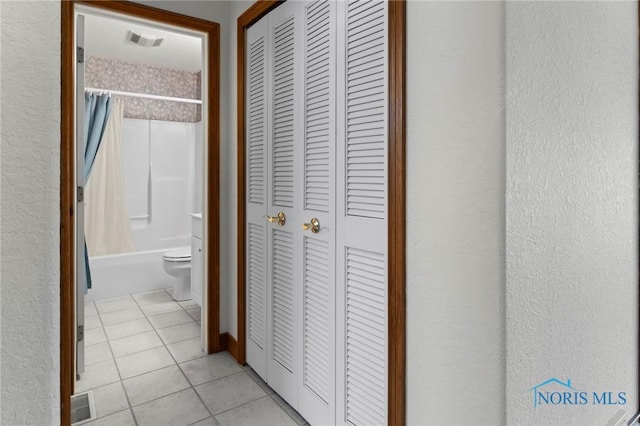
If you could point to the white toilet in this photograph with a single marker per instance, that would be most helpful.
(177, 263)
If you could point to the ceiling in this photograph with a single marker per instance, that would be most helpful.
(106, 37)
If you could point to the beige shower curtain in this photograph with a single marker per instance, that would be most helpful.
(107, 228)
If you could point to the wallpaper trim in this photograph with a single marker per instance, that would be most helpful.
(111, 74)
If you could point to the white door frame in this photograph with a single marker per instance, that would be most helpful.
(81, 279)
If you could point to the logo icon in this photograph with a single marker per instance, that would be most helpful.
(546, 382)
(556, 392)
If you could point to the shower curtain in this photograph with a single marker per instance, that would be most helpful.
(96, 113)
(107, 227)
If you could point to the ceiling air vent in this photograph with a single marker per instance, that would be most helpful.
(144, 40)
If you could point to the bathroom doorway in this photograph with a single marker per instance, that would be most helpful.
(149, 26)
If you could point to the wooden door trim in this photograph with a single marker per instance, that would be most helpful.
(397, 213)
(396, 198)
(67, 214)
(67, 177)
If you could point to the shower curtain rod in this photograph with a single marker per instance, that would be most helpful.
(144, 95)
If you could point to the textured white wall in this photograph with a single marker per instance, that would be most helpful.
(29, 260)
(572, 206)
(455, 223)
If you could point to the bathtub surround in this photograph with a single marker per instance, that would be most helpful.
(160, 171)
(163, 184)
(113, 74)
(120, 274)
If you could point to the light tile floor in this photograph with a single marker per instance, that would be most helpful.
(144, 366)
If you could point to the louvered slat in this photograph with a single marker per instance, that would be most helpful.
(366, 109)
(316, 317)
(282, 303)
(256, 285)
(365, 337)
(256, 136)
(318, 131)
(283, 114)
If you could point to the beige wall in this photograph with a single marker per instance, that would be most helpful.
(455, 213)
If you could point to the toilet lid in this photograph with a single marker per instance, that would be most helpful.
(182, 253)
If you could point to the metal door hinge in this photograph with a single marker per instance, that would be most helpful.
(80, 333)
(80, 194)
(80, 55)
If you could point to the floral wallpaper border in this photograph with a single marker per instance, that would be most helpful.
(111, 74)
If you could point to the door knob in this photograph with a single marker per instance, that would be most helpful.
(279, 219)
(314, 225)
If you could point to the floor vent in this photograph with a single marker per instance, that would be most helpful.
(82, 408)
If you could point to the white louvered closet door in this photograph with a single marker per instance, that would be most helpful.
(361, 249)
(285, 260)
(317, 378)
(257, 173)
(316, 146)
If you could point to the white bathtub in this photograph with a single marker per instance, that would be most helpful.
(121, 274)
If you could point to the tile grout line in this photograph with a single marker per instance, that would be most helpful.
(257, 380)
(244, 404)
(155, 347)
(191, 385)
(124, 390)
(154, 329)
(232, 408)
(176, 363)
(280, 401)
(113, 358)
(158, 335)
(275, 397)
